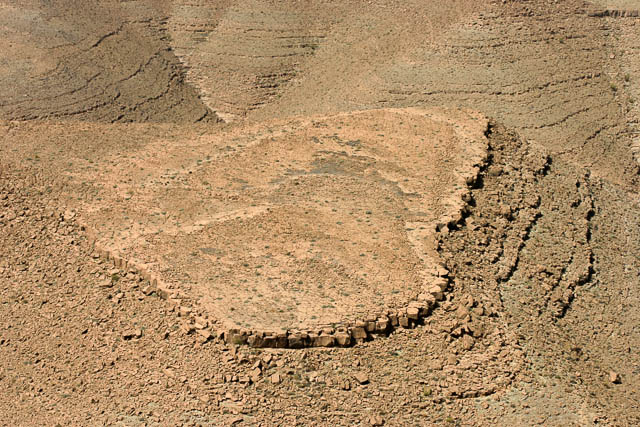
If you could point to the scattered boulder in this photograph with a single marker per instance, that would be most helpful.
(276, 379)
(362, 378)
(376, 420)
(614, 377)
(132, 333)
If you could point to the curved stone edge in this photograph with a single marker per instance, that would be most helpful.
(342, 334)
(614, 13)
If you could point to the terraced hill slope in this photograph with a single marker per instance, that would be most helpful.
(76, 60)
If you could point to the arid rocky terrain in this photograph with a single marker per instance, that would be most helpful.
(259, 212)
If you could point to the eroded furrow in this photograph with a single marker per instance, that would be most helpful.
(243, 61)
(528, 85)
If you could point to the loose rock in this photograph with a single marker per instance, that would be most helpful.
(362, 378)
(276, 379)
(614, 377)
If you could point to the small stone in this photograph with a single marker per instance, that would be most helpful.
(184, 311)
(255, 374)
(107, 283)
(276, 379)
(358, 333)
(376, 420)
(186, 328)
(614, 377)
(204, 334)
(130, 334)
(118, 261)
(413, 313)
(506, 212)
(362, 378)
(69, 215)
(436, 365)
(200, 323)
(467, 342)
(163, 291)
(462, 312)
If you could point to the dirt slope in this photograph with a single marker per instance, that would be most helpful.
(538, 324)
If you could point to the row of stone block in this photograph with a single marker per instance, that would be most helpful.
(339, 335)
(347, 333)
(615, 13)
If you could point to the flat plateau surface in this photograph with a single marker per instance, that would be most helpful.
(306, 222)
(292, 224)
(439, 199)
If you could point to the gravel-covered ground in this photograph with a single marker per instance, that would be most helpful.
(539, 322)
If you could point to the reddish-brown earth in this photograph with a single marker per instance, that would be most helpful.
(441, 201)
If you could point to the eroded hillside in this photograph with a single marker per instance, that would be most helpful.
(440, 200)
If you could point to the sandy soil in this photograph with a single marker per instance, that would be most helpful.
(491, 148)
